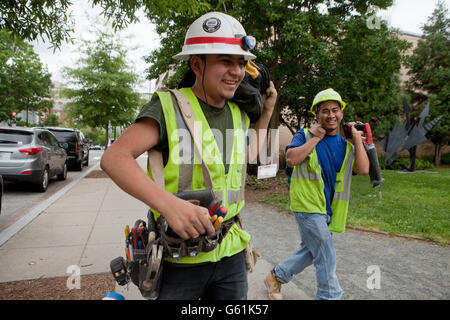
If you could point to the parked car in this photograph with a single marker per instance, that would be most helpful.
(1, 192)
(31, 155)
(96, 147)
(77, 146)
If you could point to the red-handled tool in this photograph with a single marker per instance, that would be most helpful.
(143, 235)
(135, 238)
(374, 171)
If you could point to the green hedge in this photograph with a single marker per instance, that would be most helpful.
(403, 162)
(445, 158)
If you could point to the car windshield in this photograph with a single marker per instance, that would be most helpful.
(15, 136)
(65, 136)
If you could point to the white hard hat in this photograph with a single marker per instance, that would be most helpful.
(216, 33)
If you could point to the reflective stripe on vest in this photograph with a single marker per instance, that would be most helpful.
(183, 170)
(307, 188)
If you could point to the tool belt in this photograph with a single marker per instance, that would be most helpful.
(145, 266)
(177, 248)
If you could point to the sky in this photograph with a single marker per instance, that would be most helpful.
(141, 38)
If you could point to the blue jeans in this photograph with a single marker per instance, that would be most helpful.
(222, 280)
(316, 248)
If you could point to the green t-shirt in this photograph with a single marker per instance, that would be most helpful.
(219, 120)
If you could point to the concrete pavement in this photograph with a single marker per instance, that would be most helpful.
(85, 228)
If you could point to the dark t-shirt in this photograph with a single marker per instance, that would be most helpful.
(219, 120)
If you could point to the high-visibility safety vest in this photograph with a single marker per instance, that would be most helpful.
(183, 171)
(307, 188)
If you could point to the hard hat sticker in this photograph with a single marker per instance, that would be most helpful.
(211, 25)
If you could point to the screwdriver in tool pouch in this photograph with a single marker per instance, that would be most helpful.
(218, 216)
(135, 238)
(144, 235)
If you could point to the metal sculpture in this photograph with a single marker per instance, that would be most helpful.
(407, 136)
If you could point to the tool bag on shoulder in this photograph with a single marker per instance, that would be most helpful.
(248, 95)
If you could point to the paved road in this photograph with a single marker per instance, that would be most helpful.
(19, 198)
(409, 269)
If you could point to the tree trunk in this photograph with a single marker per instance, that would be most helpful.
(274, 123)
(292, 130)
(437, 154)
(107, 136)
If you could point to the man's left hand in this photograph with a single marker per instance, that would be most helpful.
(356, 135)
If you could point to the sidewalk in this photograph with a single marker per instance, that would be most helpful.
(85, 227)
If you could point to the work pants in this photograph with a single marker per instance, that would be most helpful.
(316, 248)
(222, 280)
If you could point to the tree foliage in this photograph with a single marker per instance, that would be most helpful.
(103, 86)
(430, 74)
(30, 19)
(51, 19)
(366, 71)
(307, 45)
(51, 120)
(24, 82)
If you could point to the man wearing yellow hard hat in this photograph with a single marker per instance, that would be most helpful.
(323, 162)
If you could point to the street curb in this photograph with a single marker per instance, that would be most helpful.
(10, 231)
(396, 235)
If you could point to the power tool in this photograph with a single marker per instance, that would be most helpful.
(374, 171)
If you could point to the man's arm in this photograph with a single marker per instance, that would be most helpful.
(362, 164)
(260, 127)
(119, 162)
(297, 155)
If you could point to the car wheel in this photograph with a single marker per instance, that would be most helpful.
(79, 165)
(86, 163)
(63, 175)
(43, 183)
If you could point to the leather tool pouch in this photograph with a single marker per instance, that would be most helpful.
(176, 248)
(146, 266)
(250, 252)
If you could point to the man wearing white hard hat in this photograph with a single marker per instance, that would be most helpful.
(217, 48)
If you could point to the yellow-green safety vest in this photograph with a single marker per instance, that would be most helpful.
(307, 188)
(183, 171)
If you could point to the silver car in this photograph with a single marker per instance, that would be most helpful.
(31, 155)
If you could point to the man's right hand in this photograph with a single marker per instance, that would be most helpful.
(189, 220)
(318, 131)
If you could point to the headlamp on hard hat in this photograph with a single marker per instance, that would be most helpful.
(248, 43)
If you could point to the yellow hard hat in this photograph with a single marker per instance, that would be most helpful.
(326, 95)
